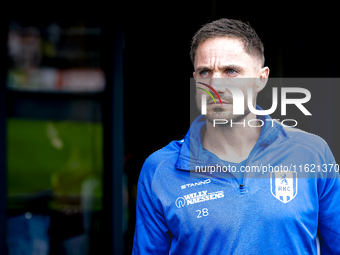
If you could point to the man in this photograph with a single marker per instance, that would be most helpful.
(184, 211)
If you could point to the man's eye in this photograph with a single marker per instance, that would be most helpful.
(231, 72)
(204, 74)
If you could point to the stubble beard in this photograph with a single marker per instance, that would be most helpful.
(222, 113)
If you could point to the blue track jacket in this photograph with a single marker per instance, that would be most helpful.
(272, 213)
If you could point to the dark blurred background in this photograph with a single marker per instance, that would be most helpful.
(88, 92)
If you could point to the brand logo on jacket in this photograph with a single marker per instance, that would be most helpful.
(284, 186)
(195, 184)
(198, 197)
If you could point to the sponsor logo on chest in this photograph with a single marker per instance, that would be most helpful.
(198, 197)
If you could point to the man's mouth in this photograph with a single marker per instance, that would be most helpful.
(223, 103)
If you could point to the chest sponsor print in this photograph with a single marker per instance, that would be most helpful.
(198, 197)
(284, 185)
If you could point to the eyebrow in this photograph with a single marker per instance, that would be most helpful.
(209, 68)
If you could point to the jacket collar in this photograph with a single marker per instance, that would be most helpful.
(192, 152)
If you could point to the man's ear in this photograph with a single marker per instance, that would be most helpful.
(194, 75)
(263, 78)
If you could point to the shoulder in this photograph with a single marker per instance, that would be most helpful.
(160, 160)
(308, 141)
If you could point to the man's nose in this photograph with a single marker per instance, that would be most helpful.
(217, 80)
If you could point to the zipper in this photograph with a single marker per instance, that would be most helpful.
(251, 155)
(253, 152)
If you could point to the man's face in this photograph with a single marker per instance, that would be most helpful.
(217, 61)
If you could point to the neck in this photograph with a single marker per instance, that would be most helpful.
(232, 143)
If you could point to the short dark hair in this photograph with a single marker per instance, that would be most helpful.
(229, 28)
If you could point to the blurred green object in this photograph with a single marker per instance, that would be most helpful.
(56, 157)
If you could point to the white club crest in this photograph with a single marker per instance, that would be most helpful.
(284, 185)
